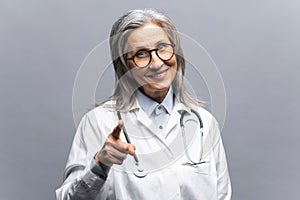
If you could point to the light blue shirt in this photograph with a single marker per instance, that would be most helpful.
(158, 113)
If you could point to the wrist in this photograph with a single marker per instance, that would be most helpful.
(99, 163)
(99, 169)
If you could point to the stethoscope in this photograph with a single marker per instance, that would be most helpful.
(140, 172)
(192, 163)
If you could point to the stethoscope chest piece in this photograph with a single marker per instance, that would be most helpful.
(139, 171)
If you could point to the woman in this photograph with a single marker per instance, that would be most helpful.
(165, 154)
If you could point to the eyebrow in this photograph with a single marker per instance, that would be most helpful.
(143, 47)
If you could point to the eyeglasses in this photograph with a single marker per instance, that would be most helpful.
(142, 58)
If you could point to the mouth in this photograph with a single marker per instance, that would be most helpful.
(159, 75)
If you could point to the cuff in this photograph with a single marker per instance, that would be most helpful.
(100, 171)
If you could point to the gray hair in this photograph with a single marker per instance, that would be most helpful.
(124, 92)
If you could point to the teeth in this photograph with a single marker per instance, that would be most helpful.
(157, 75)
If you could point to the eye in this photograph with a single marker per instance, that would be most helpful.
(141, 54)
(162, 46)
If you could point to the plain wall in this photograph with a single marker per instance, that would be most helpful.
(255, 45)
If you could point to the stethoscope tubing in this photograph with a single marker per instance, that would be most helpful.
(127, 138)
(183, 113)
(140, 172)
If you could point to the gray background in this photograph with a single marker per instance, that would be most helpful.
(254, 43)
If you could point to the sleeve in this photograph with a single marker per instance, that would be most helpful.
(99, 170)
(79, 181)
(223, 179)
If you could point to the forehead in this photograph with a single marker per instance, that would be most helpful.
(147, 36)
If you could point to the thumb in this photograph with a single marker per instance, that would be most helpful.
(117, 130)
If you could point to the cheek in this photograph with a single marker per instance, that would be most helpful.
(133, 71)
(172, 62)
(137, 74)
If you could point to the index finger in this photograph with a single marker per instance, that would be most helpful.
(117, 130)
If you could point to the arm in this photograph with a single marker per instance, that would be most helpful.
(79, 181)
(82, 185)
(224, 185)
(83, 178)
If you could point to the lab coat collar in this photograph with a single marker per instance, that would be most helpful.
(175, 114)
(172, 128)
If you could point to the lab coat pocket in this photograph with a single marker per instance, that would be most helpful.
(203, 168)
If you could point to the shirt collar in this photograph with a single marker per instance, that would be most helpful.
(148, 104)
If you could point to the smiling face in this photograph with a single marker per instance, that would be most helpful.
(156, 78)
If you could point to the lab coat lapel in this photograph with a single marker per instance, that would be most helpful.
(147, 122)
(175, 117)
(143, 118)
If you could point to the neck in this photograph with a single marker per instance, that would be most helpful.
(157, 96)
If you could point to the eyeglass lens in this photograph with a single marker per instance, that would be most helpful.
(143, 57)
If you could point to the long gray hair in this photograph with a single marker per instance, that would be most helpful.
(124, 92)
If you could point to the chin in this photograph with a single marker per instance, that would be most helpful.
(157, 87)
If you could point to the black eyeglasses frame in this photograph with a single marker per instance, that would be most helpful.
(150, 55)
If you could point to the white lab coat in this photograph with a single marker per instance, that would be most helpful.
(161, 155)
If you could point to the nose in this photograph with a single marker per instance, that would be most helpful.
(156, 62)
